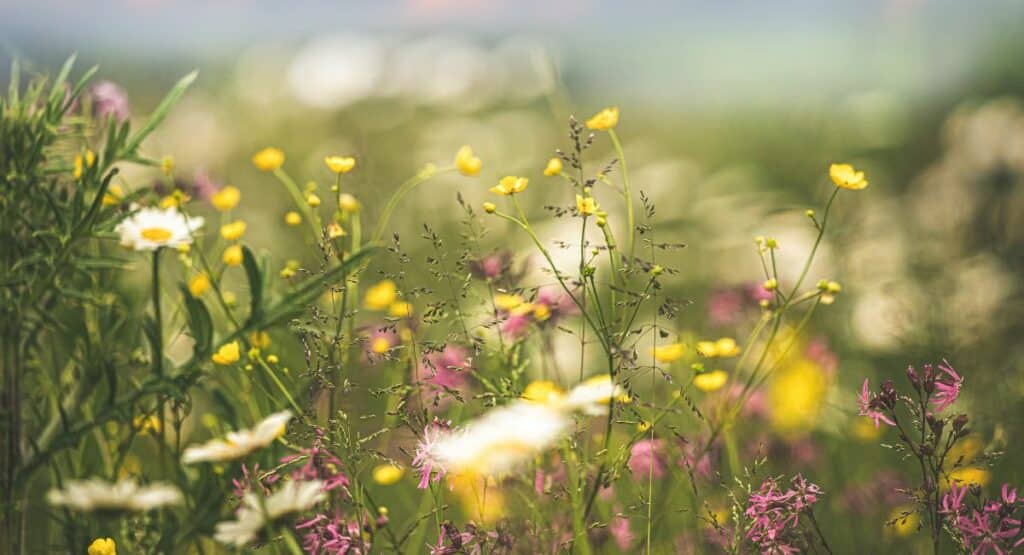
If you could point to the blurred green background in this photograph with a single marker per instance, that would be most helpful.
(731, 113)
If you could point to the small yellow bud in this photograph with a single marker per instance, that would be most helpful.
(229, 298)
(643, 426)
(386, 475)
(490, 207)
(656, 270)
(771, 284)
(272, 359)
(809, 213)
(292, 219)
(601, 221)
(312, 200)
(232, 255)
(833, 287)
(167, 165)
(771, 243)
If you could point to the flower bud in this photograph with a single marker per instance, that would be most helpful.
(490, 207)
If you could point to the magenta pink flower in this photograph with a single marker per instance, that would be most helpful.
(443, 373)
(985, 526)
(870, 408)
(318, 464)
(646, 459)
(947, 388)
(775, 514)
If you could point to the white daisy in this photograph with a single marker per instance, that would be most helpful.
(126, 495)
(256, 512)
(501, 440)
(239, 443)
(593, 396)
(151, 228)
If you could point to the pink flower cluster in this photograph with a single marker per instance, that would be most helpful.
(775, 514)
(319, 464)
(443, 374)
(986, 526)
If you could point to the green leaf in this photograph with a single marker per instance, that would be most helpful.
(255, 277)
(58, 92)
(200, 324)
(161, 111)
(309, 290)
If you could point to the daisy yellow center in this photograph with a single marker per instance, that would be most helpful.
(156, 234)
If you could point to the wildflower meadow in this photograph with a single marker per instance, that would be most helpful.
(527, 336)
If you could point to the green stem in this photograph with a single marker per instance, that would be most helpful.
(403, 190)
(627, 192)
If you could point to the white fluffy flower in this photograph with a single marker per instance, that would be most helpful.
(593, 396)
(239, 443)
(151, 228)
(256, 512)
(126, 495)
(501, 440)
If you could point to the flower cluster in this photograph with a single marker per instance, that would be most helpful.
(776, 514)
(985, 525)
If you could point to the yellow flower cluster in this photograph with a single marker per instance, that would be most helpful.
(722, 348)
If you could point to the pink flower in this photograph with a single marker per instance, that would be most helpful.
(619, 529)
(775, 514)
(318, 464)
(725, 306)
(646, 459)
(869, 407)
(443, 373)
(985, 526)
(947, 388)
(430, 469)
(516, 325)
(110, 99)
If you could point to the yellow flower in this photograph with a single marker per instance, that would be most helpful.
(102, 546)
(864, 429)
(198, 284)
(348, 203)
(175, 199)
(82, 162)
(292, 218)
(543, 391)
(504, 301)
(113, 195)
(312, 200)
(233, 231)
(604, 120)
(272, 359)
(232, 255)
(479, 496)
(904, 520)
(380, 345)
(334, 230)
(259, 339)
(796, 394)
(541, 312)
(381, 296)
(167, 165)
(387, 474)
(340, 164)
(490, 207)
(510, 185)
(724, 348)
(669, 353)
(467, 163)
(554, 167)
(145, 424)
(226, 198)
(268, 159)
(843, 175)
(400, 309)
(965, 476)
(228, 354)
(586, 205)
(710, 381)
